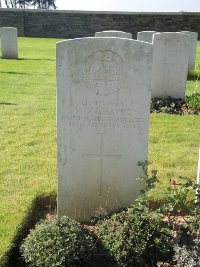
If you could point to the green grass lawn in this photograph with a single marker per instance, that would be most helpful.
(192, 85)
(27, 130)
(28, 136)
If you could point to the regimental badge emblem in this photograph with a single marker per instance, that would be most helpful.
(104, 72)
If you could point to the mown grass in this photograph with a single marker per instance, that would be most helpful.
(27, 130)
(173, 148)
(192, 85)
(28, 136)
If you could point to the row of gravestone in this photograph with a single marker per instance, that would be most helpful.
(172, 51)
(173, 54)
(148, 36)
(8, 43)
(104, 87)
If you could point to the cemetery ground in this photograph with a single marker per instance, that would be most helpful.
(28, 138)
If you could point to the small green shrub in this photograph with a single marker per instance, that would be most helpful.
(147, 235)
(179, 198)
(138, 235)
(135, 237)
(193, 101)
(178, 203)
(58, 242)
(142, 234)
(187, 245)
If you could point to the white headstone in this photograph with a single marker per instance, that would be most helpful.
(103, 103)
(145, 36)
(114, 34)
(9, 46)
(193, 47)
(170, 64)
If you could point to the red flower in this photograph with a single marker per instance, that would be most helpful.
(172, 182)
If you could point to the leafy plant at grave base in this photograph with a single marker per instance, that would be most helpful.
(135, 237)
(187, 247)
(167, 105)
(193, 101)
(58, 242)
(189, 105)
(178, 198)
(138, 235)
(177, 194)
(142, 235)
(186, 234)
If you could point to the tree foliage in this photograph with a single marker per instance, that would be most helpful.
(36, 4)
(44, 4)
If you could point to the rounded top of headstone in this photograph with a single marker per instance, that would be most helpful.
(172, 38)
(170, 35)
(8, 28)
(147, 32)
(113, 33)
(193, 34)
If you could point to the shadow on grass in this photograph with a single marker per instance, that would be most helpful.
(7, 104)
(13, 72)
(192, 78)
(43, 59)
(193, 75)
(41, 205)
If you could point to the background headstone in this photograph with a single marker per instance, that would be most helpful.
(119, 34)
(9, 45)
(193, 47)
(145, 36)
(170, 64)
(103, 103)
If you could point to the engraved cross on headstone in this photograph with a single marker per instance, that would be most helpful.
(101, 157)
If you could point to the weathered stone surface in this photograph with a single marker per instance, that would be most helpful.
(170, 64)
(119, 34)
(193, 47)
(145, 36)
(103, 104)
(9, 46)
